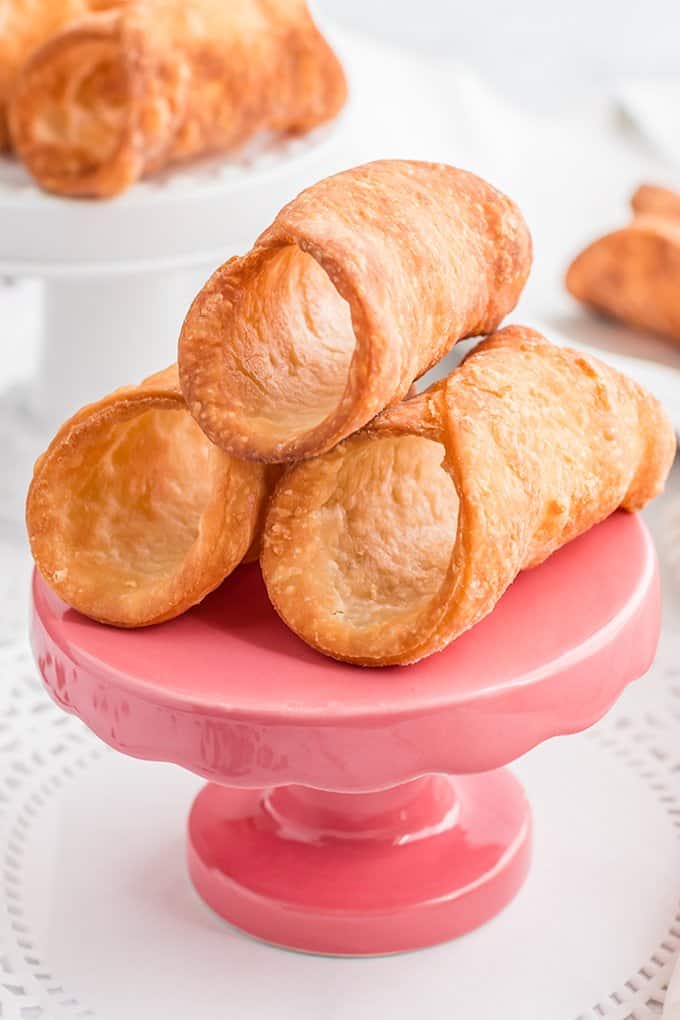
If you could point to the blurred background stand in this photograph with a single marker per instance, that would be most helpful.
(118, 276)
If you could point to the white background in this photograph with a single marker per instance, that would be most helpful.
(540, 53)
(606, 835)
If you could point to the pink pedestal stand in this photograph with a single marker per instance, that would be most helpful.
(357, 811)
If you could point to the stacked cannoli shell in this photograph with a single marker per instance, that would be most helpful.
(387, 523)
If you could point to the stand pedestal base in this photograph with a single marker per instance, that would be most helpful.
(103, 331)
(361, 874)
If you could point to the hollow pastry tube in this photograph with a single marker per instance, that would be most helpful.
(125, 93)
(133, 516)
(386, 549)
(362, 283)
(25, 25)
(633, 274)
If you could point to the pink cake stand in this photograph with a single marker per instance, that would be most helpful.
(358, 811)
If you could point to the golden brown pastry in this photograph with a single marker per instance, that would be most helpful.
(124, 93)
(655, 201)
(133, 515)
(362, 283)
(25, 25)
(633, 274)
(390, 546)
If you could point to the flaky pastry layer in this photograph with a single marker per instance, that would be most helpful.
(387, 548)
(361, 284)
(133, 516)
(124, 93)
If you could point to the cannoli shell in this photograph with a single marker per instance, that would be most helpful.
(650, 200)
(382, 559)
(24, 26)
(133, 516)
(122, 94)
(360, 285)
(633, 274)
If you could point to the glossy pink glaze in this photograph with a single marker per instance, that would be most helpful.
(228, 692)
(437, 858)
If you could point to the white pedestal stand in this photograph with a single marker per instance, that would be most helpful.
(119, 275)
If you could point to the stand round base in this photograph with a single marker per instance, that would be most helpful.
(361, 874)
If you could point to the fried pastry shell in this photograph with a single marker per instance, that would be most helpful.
(386, 549)
(633, 274)
(24, 26)
(651, 200)
(124, 93)
(133, 516)
(360, 285)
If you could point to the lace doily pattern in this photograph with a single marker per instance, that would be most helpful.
(41, 748)
(650, 748)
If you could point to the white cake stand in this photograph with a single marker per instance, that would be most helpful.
(119, 275)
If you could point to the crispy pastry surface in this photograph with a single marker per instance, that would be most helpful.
(133, 515)
(390, 546)
(124, 93)
(361, 284)
(633, 274)
(25, 25)
(652, 200)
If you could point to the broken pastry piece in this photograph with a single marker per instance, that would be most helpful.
(650, 200)
(360, 285)
(633, 274)
(384, 550)
(133, 515)
(124, 93)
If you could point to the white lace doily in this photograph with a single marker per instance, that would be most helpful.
(97, 917)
